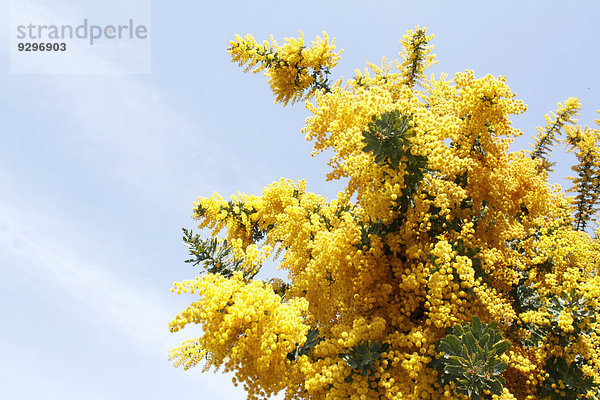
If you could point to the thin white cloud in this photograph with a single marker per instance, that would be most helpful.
(44, 245)
(117, 119)
(46, 248)
(123, 127)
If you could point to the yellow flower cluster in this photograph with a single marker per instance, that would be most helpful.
(585, 142)
(416, 56)
(247, 329)
(554, 123)
(293, 68)
(439, 222)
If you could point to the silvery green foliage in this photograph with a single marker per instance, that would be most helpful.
(469, 356)
(362, 357)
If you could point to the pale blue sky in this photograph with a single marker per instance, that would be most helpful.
(98, 172)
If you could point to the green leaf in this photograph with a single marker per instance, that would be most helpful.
(450, 345)
(501, 347)
(471, 343)
(469, 356)
(577, 384)
(477, 327)
(312, 339)
(363, 356)
(460, 247)
(499, 368)
(388, 138)
(484, 341)
(495, 387)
